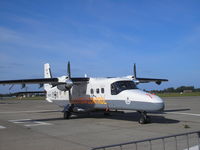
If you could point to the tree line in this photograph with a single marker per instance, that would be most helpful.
(177, 90)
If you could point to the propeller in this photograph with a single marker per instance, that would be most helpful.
(69, 78)
(68, 70)
(134, 75)
(134, 71)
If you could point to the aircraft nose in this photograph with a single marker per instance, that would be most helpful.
(161, 106)
(159, 103)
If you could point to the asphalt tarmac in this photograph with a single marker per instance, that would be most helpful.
(39, 125)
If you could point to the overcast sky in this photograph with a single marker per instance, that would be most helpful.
(101, 38)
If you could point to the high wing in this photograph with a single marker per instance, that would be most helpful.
(62, 83)
(41, 81)
(146, 80)
(31, 81)
(22, 93)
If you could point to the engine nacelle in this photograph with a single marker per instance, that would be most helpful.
(65, 86)
(136, 82)
(62, 87)
(158, 82)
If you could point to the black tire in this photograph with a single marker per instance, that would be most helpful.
(142, 120)
(66, 115)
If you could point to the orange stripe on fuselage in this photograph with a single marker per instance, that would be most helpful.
(89, 100)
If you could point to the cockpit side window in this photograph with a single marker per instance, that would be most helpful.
(120, 86)
(113, 89)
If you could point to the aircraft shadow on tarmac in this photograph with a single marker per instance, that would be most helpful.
(134, 117)
(174, 110)
(128, 116)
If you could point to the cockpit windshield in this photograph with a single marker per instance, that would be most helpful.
(119, 86)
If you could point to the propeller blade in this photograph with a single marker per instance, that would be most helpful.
(69, 76)
(69, 70)
(70, 95)
(134, 71)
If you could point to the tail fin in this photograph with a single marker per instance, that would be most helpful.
(47, 71)
(47, 74)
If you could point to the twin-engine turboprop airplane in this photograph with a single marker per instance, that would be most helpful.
(76, 95)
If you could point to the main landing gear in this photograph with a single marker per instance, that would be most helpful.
(144, 118)
(67, 112)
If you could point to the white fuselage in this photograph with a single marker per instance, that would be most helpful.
(106, 93)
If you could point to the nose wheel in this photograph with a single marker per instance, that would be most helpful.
(144, 118)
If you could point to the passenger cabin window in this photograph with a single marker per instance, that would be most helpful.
(102, 90)
(97, 91)
(91, 91)
(120, 86)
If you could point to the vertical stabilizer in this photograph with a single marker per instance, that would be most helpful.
(47, 74)
(47, 71)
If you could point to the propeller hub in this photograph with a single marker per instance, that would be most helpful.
(136, 82)
(69, 83)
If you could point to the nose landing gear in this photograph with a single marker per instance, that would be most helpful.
(144, 118)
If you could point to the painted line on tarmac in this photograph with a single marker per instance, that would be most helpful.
(2, 127)
(196, 147)
(179, 113)
(29, 122)
(31, 111)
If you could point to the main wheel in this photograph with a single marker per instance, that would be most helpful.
(142, 120)
(66, 115)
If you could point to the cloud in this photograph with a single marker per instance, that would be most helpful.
(10, 36)
(21, 39)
